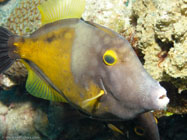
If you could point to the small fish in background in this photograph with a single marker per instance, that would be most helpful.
(91, 67)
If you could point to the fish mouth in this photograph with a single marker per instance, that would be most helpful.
(161, 99)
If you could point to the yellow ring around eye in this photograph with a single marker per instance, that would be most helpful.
(110, 57)
(139, 131)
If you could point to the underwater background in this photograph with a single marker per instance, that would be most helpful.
(157, 30)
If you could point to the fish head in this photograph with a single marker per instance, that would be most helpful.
(129, 89)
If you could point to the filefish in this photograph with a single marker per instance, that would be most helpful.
(89, 66)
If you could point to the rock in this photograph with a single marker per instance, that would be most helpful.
(162, 30)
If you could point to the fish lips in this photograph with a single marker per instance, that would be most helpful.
(159, 98)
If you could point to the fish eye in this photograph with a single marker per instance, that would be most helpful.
(139, 131)
(110, 57)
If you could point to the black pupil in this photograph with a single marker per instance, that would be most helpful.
(140, 130)
(109, 59)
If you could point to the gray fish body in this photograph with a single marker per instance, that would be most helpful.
(129, 89)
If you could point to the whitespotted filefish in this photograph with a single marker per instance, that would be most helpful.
(82, 63)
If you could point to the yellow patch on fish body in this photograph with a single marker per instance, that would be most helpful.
(52, 52)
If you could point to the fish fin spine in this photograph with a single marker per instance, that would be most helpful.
(7, 56)
(91, 101)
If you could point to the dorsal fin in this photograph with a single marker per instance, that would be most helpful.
(53, 10)
(37, 87)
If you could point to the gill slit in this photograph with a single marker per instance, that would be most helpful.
(103, 86)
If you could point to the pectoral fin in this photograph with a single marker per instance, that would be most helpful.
(37, 87)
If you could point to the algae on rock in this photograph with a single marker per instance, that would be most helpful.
(162, 32)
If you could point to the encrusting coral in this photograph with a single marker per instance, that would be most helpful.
(25, 18)
(161, 29)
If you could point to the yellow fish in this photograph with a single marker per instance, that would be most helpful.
(81, 63)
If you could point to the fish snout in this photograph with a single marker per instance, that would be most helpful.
(161, 98)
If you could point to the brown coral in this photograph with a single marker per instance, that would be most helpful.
(25, 18)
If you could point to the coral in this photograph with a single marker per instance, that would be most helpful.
(110, 13)
(22, 18)
(5, 82)
(6, 9)
(17, 116)
(25, 18)
(161, 29)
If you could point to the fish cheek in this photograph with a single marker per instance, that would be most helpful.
(118, 99)
(120, 84)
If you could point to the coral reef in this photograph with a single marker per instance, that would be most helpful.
(6, 82)
(17, 116)
(110, 13)
(25, 18)
(161, 29)
(6, 9)
(157, 28)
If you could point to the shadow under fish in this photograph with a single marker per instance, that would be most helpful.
(91, 67)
